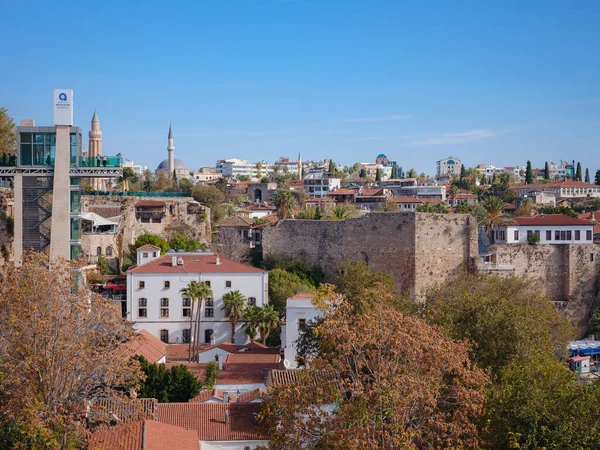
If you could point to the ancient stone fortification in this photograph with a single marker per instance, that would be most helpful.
(568, 273)
(180, 218)
(418, 249)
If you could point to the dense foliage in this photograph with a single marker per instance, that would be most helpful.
(176, 384)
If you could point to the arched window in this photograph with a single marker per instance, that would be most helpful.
(99, 251)
(108, 251)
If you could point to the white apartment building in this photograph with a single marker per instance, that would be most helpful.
(551, 228)
(560, 189)
(234, 167)
(137, 168)
(448, 167)
(299, 311)
(435, 191)
(371, 170)
(155, 302)
(318, 184)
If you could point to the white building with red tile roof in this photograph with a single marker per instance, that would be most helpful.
(299, 312)
(155, 302)
(551, 228)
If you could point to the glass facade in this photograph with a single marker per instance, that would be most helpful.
(76, 201)
(75, 252)
(74, 155)
(75, 229)
(37, 149)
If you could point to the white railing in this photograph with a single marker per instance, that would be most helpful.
(491, 266)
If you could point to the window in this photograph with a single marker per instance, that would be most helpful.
(251, 301)
(186, 336)
(108, 251)
(207, 283)
(301, 324)
(164, 307)
(154, 254)
(557, 235)
(141, 284)
(99, 251)
(167, 284)
(529, 234)
(208, 312)
(591, 257)
(516, 236)
(187, 307)
(207, 335)
(548, 235)
(142, 307)
(228, 284)
(164, 336)
(577, 235)
(569, 235)
(209, 302)
(588, 235)
(144, 255)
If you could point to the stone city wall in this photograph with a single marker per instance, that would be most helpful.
(418, 249)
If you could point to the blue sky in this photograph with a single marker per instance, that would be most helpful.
(494, 83)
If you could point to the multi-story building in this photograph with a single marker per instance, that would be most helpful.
(371, 170)
(206, 174)
(318, 184)
(47, 172)
(560, 189)
(138, 169)
(155, 302)
(299, 312)
(448, 167)
(235, 167)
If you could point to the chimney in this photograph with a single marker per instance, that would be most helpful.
(225, 397)
(213, 339)
(173, 260)
(219, 362)
(218, 262)
(226, 417)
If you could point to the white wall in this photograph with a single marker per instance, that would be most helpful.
(250, 284)
(231, 445)
(210, 355)
(295, 310)
(510, 234)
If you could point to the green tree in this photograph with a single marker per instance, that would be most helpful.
(565, 210)
(151, 239)
(196, 292)
(234, 304)
(587, 175)
(269, 320)
(285, 202)
(208, 196)
(362, 173)
(492, 217)
(185, 243)
(463, 171)
(147, 184)
(176, 384)
(128, 175)
(528, 173)
(578, 173)
(412, 173)
(394, 173)
(597, 178)
(342, 211)
(318, 215)
(253, 317)
(243, 178)
(8, 133)
(211, 375)
(546, 171)
(378, 175)
(283, 285)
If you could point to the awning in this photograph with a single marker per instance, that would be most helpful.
(97, 220)
(115, 287)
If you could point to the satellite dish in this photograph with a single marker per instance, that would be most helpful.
(286, 363)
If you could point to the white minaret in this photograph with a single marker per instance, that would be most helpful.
(171, 150)
(299, 166)
(95, 148)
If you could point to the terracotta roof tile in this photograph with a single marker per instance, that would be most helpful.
(208, 420)
(249, 357)
(218, 395)
(548, 219)
(146, 435)
(148, 247)
(194, 263)
(236, 221)
(148, 346)
(106, 409)
(106, 211)
(149, 203)
(245, 373)
(303, 296)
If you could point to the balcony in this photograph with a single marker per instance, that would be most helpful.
(100, 162)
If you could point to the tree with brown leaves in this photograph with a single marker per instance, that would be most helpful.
(60, 345)
(382, 380)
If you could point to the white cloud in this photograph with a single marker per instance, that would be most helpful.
(376, 119)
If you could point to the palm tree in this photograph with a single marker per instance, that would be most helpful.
(234, 305)
(492, 216)
(342, 211)
(285, 201)
(268, 321)
(197, 292)
(253, 316)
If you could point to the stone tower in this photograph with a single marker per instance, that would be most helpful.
(95, 148)
(299, 166)
(171, 150)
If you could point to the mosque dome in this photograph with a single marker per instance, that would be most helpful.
(179, 165)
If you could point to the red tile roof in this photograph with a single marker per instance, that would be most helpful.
(548, 219)
(208, 420)
(371, 192)
(343, 191)
(179, 352)
(246, 373)
(249, 357)
(217, 394)
(235, 221)
(149, 203)
(303, 296)
(194, 263)
(144, 435)
(272, 219)
(407, 199)
(148, 247)
(148, 346)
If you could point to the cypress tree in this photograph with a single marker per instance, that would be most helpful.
(546, 171)
(597, 178)
(578, 175)
(378, 175)
(528, 173)
(463, 171)
(587, 175)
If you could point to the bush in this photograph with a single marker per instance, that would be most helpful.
(211, 375)
(103, 265)
(10, 225)
(176, 384)
(533, 239)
